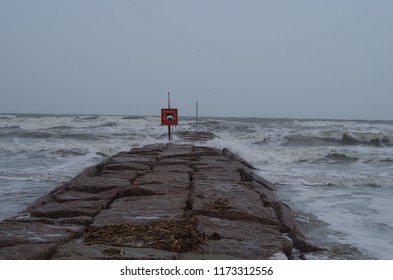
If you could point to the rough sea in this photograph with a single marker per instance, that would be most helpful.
(337, 174)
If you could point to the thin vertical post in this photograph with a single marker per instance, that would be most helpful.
(169, 127)
(196, 118)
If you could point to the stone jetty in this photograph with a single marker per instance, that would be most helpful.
(162, 201)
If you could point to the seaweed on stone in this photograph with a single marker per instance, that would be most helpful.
(171, 235)
(220, 205)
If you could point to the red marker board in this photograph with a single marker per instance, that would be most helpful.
(169, 116)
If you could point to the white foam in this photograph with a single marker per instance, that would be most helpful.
(235, 146)
(278, 256)
(361, 215)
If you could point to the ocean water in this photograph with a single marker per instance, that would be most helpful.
(337, 174)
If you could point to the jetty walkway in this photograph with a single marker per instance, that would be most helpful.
(162, 201)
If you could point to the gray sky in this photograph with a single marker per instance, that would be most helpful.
(301, 59)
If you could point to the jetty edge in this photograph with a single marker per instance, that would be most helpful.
(161, 201)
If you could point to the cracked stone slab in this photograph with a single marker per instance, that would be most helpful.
(126, 166)
(143, 209)
(173, 168)
(16, 233)
(28, 252)
(75, 195)
(164, 178)
(244, 239)
(76, 249)
(70, 209)
(230, 201)
(98, 184)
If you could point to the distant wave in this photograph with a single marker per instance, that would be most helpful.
(341, 157)
(329, 137)
(134, 118)
(70, 152)
(355, 138)
(50, 135)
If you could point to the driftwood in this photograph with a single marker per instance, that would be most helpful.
(172, 235)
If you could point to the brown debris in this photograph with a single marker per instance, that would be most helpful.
(219, 205)
(172, 235)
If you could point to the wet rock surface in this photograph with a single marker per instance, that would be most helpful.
(163, 201)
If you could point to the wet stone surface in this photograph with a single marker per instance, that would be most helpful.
(163, 201)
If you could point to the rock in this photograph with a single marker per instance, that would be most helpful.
(213, 162)
(290, 225)
(235, 157)
(143, 209)
(263, 182)
(214, 174)
(75, 195)
(164, 178)
(154, 149)
(79, 250)
(129, 175)
(195, 135)
(78, 220)
(180, 168)
(17, 233)
(243, 239)
(98, 184)
(175, 161)
(213, 196)
(205, 151)
(28, 252)
(229, 201)
(266, 195)
(70, 209)
(140, 191)
(125, 166)
(39, 202)
(153, 189)
(178, 151)
(134, 158)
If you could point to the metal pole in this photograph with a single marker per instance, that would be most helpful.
(196, 118)
(169, 127)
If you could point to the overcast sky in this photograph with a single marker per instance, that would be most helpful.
(300, 59)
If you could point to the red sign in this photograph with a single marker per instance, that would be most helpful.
(169, 116)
